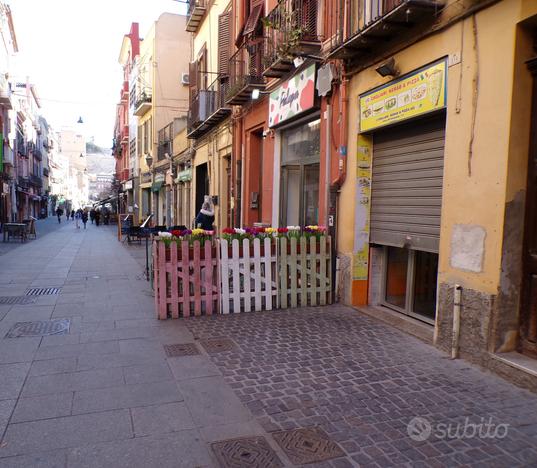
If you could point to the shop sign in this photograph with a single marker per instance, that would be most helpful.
(360, 266)
(159, 177)
(146, 177)
(184, 176)
(293, 97)
(414, 94)
(127, 185)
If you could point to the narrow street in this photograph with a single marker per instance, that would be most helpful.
(106, 394)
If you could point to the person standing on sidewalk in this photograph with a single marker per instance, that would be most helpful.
(97, 217)
(92, 215)
(85, 217)
(59, 213)
(205, 218)
(72, 214)
(67, 214)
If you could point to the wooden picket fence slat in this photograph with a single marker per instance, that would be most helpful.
(248, 281)
(185, 283)
(305, 271)
(254, 275)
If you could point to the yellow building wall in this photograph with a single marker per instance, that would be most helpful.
(475, 188)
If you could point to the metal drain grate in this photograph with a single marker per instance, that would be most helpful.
(218, 345)
(43, 291)
(183, 349)
(11, 300)
(39, 328)
(247, 452)
(309, 445)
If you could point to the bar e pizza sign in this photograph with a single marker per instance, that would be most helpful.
(414, 94)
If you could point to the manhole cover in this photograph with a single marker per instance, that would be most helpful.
(42, 291)
(309, 445)
(40, 328)
(218, 345)
(9, 300)
(183, 349)
(251, 452)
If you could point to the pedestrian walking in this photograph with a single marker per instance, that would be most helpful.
(205, 217)
(59, 213)
(92, 215)
(78, 217)
(97, 217)
(72, 214)
(85, 217)
(67, 214)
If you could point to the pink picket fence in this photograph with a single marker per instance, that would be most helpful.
(186, 279)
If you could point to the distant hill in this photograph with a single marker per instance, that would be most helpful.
(99, 159)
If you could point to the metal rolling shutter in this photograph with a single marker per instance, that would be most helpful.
(406, 188)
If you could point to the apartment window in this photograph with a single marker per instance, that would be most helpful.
(146, 136)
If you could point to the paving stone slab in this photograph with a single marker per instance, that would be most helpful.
(126, 396)
(42, 407)
(146, 373)
(70, 431)
(183, 449)
(190, 367)
(161, 419)
(212, 402)
(83, 349)
(72, 381)
(51, 459)
(12, 377)
(53, 366)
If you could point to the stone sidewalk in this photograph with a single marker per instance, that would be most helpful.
(325, 386)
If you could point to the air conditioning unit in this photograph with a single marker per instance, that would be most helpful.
(185, 78)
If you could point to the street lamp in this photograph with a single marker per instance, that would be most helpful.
(149, 160)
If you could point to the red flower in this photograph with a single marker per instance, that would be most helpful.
(177, 233)
(228, 231)
(282, 230)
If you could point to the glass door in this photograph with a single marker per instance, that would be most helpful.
(410, 278)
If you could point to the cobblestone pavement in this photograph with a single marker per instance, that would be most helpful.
(282, 388)
(362, 382)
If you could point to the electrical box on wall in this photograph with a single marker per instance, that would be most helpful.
(254, 200)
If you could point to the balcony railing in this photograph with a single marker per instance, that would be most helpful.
(208, 108)
(361, 28)
(245, 72)
(23, 182)
(45, 172)
(125, 91)
(291, 30)
(142, 103)
(163, 148)
(37, 154)
(125, 134)
(22, 148)
(36, 181)
(195, 12)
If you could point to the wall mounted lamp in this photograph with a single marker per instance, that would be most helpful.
(388, 68)
(257, 92)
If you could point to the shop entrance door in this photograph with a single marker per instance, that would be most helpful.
(528, 313)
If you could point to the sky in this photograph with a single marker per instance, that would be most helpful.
(70, 49)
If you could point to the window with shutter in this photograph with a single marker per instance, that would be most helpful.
(193, 78)
(253, 18)
(224, 42)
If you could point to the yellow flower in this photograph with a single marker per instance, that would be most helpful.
(270, 230)
(197, 232)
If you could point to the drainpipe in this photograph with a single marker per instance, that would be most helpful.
(328, 123)
(456, 321)
(343, 134)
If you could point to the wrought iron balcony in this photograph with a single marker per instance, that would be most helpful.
(142, 104)
(163, 148)
(37, 153)
(125, 134)
(207, 108)
(23, 182)
(245, 72)
(195, 12)
(36, 181)
(359, 29)
(291, 30)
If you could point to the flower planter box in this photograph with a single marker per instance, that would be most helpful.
(249, 275)
(186, 280)
(305, 269)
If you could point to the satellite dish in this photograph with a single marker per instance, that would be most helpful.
(325, 76)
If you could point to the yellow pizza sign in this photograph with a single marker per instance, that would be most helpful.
(414, 94)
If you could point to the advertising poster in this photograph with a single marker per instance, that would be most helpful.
(362, 203)
(417, 93)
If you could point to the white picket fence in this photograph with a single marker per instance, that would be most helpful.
(249, 275)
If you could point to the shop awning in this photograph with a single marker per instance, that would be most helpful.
(105, 201)
(156, 186)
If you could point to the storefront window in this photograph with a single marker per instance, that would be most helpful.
(300, 174)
